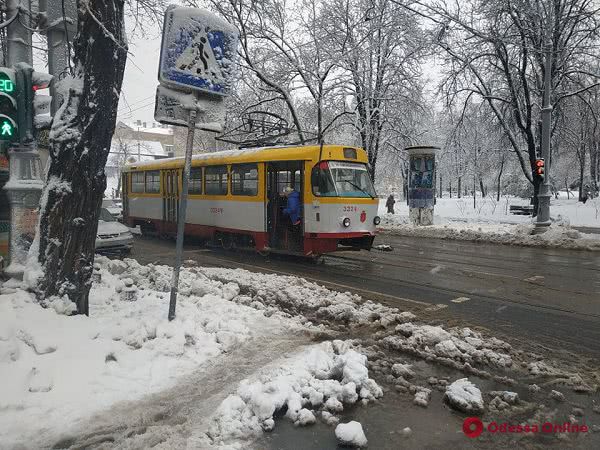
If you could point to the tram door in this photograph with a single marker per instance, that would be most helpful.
(170, 198)
(283, 234)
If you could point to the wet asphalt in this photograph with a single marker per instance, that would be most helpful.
(550, 297)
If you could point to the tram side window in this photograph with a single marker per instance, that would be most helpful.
(137, 182)
(196, 180)
(153, 182)
(244, 179)
(215, 180)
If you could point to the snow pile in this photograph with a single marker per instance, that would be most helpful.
(297, 296)
(464, 396)
(458, 347)
(351, 434)
(557, 235)
(323, 377)
(58, 370)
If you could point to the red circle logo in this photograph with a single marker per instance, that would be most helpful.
(363, 216)
(472, 427)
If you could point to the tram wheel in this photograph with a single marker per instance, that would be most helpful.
(226, 241)
(317, 259)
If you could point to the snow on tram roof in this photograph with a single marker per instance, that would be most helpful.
(218, 155)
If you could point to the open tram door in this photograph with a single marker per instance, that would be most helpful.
(170, 193)
(282, 233)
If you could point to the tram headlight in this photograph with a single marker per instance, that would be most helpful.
(346, 222)
(377, 220)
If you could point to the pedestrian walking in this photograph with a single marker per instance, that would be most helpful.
(389, 204)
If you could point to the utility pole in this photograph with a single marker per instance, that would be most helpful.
(543, 216)
(18, 37)
(61, 30)
(25, 183)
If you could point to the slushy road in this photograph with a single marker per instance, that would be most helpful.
(547, 296)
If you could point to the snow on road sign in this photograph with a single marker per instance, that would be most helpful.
(172, 107)
(198, 51)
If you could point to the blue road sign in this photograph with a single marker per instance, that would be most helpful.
(198, 51)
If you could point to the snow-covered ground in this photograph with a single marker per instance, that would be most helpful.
(490, 221)
(63, 378)
(488, 211)
(56, 371)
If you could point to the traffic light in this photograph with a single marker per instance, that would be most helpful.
(23, 111)
(42, 117)
(9, 131)
(540, 166)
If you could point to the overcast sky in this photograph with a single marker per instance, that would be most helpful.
(141, 79)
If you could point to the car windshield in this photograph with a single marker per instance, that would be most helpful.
(106, 216)
(342, 179)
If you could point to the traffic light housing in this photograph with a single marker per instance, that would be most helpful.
(41, 115)
(9, 120)
(23, 111)
(540, 167)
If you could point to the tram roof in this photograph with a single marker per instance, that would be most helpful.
(248, 155)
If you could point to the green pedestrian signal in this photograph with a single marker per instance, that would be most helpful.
(8, 106)
(7, 129)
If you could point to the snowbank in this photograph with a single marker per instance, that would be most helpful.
(460, 347)
(297, 296)
(558, 235)
(57, 370)
(330, 373)
(490, 221)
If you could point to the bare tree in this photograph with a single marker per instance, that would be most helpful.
(379, 46)
(495, 51)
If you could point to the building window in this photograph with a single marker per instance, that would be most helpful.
(153, 182)
(137, 182)
(215, 180)
(196, 180)
(244, 179)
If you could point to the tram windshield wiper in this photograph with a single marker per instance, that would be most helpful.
(359, 188)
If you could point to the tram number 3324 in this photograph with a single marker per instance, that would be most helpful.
(216, 210)
(350, 208)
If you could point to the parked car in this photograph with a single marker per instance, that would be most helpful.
(114, 207)
(112, 236)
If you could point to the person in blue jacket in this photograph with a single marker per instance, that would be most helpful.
(293, 205)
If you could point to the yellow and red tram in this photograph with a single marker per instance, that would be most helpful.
(235, 197)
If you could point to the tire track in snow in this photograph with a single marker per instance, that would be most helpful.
(177, 416)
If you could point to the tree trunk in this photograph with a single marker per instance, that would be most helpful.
(450, 188)
(80, 142)
(482, 187)
(499, 179)
(459, 186)
(117, 194)
(441, 187)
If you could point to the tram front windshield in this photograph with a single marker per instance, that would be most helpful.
(342, 179)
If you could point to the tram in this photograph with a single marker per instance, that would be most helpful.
(236, 198)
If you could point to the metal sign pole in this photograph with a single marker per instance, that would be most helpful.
(182, 210)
